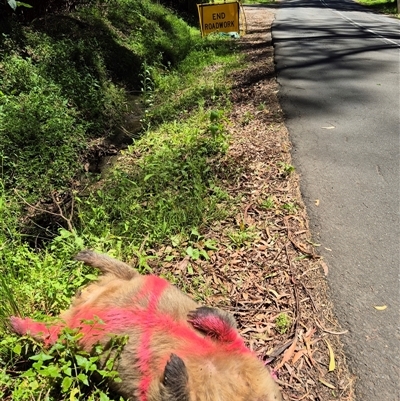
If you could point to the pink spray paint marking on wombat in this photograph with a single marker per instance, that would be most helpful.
(177, 350)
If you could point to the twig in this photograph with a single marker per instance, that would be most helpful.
(142, 245)
(309, 270)
(246, 211)
(61, 213)
(338, 333)
(267, 232)
(299, 247)
(276, 256)
(239, 309)
(278, 351)
(34, 207)
(310, 296)
(284, 384)
(296, 295)
(301, 398)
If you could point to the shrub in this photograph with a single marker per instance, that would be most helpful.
(40, 137)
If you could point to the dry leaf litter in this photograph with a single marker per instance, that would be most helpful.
(266, 268)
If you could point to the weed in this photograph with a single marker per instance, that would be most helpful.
(10, 306)
(242, 236)
(290, 207)
(41, 137)
(268, 203)
(283, 323)
(262, 106)
(197, 89)
(63, 370)
(147, 87)
(247, 118)
(199, 246)
(201, 291)
(167, 275)
(286, 168)
(196, 253)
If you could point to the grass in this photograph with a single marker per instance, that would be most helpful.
(259, 2)
(381, 6)
(268, 203)
(65, 84)
(242, 236)
(168, 189)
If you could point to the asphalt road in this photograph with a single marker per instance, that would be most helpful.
(338, 67)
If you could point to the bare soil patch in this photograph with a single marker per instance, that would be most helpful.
(267, 268)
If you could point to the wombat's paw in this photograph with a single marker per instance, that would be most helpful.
(85, 256)
(18, 325)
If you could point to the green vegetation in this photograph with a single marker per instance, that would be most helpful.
(283, 323)
(68, 84)
(167, 189)
(65, 371)
(290, 207)
(286, 169)
(68, 80)
(268, 203)
(381, 6)
(259, 1)
(242, 236)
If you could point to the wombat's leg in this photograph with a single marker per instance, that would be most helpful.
(214, 322)
(107, 264)
(47, 334)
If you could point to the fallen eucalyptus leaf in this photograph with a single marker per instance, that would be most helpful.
(327, 384)
(325, 267)
(287, 355)
(382, 307)
(298, 355)
(273, 292)
(332, 364)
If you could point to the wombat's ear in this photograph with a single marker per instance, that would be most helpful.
(175, 381)
(215, 323)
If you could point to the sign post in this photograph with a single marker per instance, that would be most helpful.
(222, 17)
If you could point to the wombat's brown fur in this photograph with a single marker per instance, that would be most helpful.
(177, 350)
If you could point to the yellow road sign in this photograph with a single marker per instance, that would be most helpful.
(219, 17)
